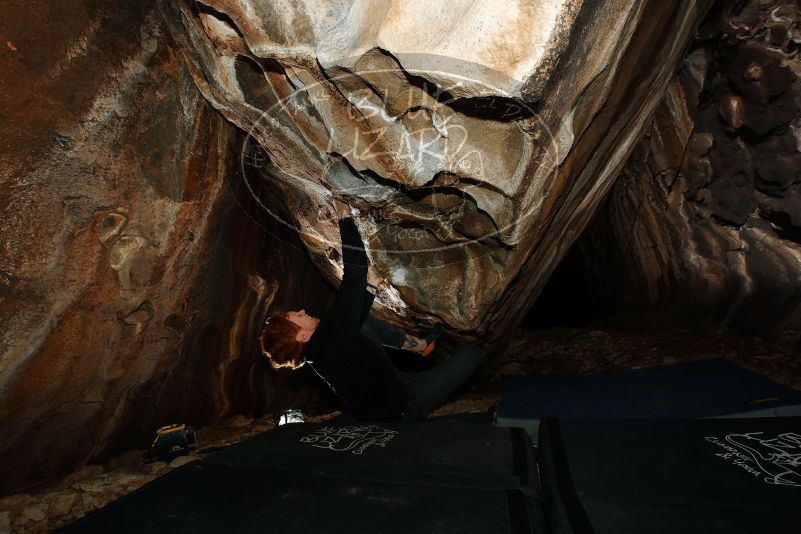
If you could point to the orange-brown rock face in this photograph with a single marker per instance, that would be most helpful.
(112, 207)
(475, 139)
(704, 225)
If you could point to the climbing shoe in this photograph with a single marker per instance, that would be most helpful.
(431, 340)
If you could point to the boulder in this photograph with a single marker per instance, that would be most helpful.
(113, 205)
(703, 228)
(475, 140)
(157, 158)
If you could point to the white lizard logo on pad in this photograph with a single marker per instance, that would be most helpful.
(777, 460)
(353, 439)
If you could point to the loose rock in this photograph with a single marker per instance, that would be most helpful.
(5, 522)
(61, 504)
(182, 460)
(37, 512)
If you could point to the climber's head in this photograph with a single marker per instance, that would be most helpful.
(284, 337)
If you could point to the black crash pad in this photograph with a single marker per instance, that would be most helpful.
(202, 497)
(426, 453)
(433, 476)
(699, 476)
(704, 388)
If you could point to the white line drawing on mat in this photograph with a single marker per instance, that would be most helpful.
(777, 459)
(353, 439)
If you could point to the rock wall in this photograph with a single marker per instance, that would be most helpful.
(136, 263)
(131, 282)
(476, 140)
(704, 225)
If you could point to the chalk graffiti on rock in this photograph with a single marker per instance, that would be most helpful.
(777, 460)
(353, 439)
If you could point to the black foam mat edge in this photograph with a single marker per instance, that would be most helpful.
(564, 504)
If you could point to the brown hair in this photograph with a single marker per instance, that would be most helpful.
(278, 343)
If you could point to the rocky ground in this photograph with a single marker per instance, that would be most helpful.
(548, 351)
(586, 351)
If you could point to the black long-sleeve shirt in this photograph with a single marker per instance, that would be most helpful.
(358, 370)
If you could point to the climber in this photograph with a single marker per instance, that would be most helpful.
(344, 347)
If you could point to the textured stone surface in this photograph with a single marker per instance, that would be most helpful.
(704, 226)
(112, 203)
(134, 275)
(475, 139)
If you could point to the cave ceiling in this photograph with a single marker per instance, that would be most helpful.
(473, 140)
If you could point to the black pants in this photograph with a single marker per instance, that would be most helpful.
(431, 387)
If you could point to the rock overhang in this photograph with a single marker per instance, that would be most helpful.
(463, 133)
